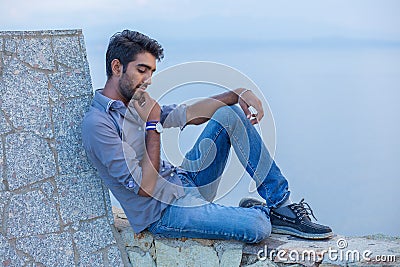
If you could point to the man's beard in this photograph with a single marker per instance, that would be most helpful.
(126, 88)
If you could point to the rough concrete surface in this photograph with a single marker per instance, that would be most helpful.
(274, 251)
(54, 210)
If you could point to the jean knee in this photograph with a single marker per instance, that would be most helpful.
(232, 113)
(222, 112)
(229, 110)
(237, 110)
(261, 227)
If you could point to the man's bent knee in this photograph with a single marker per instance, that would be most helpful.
(260, 228)
(232, 113)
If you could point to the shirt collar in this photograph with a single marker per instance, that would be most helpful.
(106, 104)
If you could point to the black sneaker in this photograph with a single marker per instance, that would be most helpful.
(293, 220)
(249, 202)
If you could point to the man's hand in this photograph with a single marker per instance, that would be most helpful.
(201, 111)
(146, 107)
(249, 99)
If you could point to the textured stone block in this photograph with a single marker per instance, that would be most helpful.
(93, 236)
(50, 250)
(36, 52)
(4, 126)
(231, 258)
(266, 263)
(2, 186)
(10, 44)
(1, 74)
(106, 194)
(71, 83)
(114, 257)
(4, 197)
(229, 253)
(29, 159)
(31, 213)
(91, 260)
(67, 117)
(142, 259)
(49, 190)
(184, 254)
(68, 51)
(45, 177)
(8, 256)
(54, 95)
(25, 98)
(143, 240)
(80, 197)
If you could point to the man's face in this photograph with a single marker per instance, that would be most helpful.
(138, 74)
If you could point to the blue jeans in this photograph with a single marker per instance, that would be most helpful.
(194, 215)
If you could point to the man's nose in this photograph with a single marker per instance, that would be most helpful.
(148, 80)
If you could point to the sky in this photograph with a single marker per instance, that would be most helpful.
(263, 20)
(211, 23)
(309, 47)
(247, 19)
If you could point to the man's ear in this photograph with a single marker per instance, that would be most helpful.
(116, 67)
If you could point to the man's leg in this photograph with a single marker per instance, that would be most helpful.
(206, 161)
(194, 217)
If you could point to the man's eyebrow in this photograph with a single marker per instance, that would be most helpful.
(146, 66)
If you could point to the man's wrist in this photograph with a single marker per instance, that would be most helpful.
(154, 125)
(240, 92)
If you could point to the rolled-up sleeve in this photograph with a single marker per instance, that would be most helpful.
(173, 116)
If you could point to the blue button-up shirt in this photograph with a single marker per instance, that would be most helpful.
(113, 136)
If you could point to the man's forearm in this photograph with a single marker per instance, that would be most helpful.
(150, 163)
(201, 111)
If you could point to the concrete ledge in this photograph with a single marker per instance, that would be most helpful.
(41, 33)
(278, 250)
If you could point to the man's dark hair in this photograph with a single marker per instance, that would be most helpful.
(126, 45)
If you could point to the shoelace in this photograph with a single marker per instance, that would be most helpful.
(303, 209)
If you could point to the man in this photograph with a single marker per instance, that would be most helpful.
(121, 135)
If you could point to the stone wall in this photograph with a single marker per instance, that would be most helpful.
(54, 210)
(145, 250)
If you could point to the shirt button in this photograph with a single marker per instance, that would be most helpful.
(140, 128)
(171, 174)
(162, 169)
